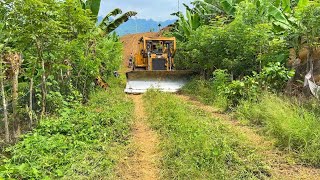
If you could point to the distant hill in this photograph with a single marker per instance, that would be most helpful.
(140, 25)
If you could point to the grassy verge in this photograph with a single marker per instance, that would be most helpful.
(295, 128)
(84, 142)
(196, 146)
(206, 92)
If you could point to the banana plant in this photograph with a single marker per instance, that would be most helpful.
(186, 25)
(227, 7)
(107, 25)
(281, 12)
(93, 5)
(201, 14)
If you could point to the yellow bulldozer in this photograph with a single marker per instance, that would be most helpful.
(153, 67)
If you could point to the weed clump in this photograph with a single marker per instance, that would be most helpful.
(210, 92)
(295, 128)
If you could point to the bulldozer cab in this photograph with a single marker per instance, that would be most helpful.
(155, 54)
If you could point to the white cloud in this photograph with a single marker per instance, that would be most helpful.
(158, 10)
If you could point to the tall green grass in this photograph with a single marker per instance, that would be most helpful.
(296, 129)
(196, 146)
(207, 92)
(84, 142)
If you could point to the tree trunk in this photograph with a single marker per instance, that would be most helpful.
(43, 89)
(43, 80)
(15, 60)
(15, 102)
(30, 102)
(4, 102)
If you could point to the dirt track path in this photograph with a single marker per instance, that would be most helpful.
(277, 160)
(143, 159)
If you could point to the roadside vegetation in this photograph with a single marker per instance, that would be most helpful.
(296, 128)
(81, 142)
(52, 53)
(252, 57)
(196, 146)
(57, 121)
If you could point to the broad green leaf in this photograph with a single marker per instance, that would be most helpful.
(106, 19)
(117, 22)
(277, 3)
(277, 15)
(228, 7)
(302, 3)
(94, 6)
(286, 6)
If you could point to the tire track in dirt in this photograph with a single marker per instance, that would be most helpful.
(143, 157)
(276, 159)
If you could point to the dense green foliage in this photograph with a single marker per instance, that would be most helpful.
(278, 13)
(196, 146)
(63, 35)
(84, 142)
(223, 92)
(242, 36)
(246, 44)
(296, 128)
(53, 52)
(249, 41)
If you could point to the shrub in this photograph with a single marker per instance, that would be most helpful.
(221, 91)
(238, 47)
(274, 77)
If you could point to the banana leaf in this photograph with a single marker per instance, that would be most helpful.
(93, 5)
(117, 22)
(106, 19)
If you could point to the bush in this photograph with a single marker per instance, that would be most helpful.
(223, 92)
(82, 143)
(238, 47)
(295, 128)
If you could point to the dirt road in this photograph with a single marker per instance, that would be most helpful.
(143, 159)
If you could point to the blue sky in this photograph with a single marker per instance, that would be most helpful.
(158, 10)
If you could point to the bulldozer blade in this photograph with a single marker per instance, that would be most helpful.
(167, 81)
